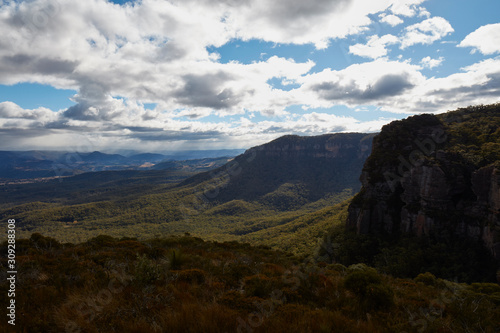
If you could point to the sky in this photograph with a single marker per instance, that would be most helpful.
(156, 75)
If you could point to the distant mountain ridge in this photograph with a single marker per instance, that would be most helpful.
(46, 164)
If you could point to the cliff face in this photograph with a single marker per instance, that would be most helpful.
(331, 146)
(291, 170)
(434, 174)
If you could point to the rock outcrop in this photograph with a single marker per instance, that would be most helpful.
(433, 175)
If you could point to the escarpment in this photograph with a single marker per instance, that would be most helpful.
(290, 171)
(434, 175)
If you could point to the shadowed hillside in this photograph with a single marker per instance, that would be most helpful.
(290, 171)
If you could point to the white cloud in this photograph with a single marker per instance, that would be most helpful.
(406, 7)
(400, 87)
(392, 20)
(423, 12)
(118, 58)
(154, 51)
(393, 86)
(302, 22)
(476, 84)
(428, 62)
(426, 32)
(374, 83)
(486, 39)
(374, 48)
(133, 131)
(9, 110)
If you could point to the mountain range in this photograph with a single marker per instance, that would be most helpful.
(267, 194)
(48, 164)
(430, 177)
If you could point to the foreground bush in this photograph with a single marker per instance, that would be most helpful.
(113, 285)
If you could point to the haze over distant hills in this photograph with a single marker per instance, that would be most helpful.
(46, 164)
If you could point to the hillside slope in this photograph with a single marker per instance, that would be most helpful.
(290, 171)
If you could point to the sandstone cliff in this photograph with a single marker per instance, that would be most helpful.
(291, 170)
(434, 175)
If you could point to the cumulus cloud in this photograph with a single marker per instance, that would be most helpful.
(373, 82)
(430, 63)
(407, 8)
(476, 83)
(154, 52)
(401, 88)
(9, 110)
(426, 32)
(163, 133)
(392, 20)
(303, 22)
(120, 57)
(486, 39)
(374, 48)
(390, 85)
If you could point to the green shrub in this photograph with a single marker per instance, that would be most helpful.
(358, 267)
(426, 278)
(42, 242)
(101, 240)
(337, 268)
(359, 280)
(486, 288)
(495, 298)
(146, 270)
(367, 285)
(378, 297)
